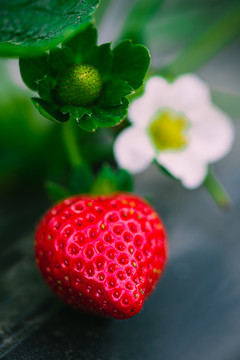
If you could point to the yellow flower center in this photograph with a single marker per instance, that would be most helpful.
(168, 131)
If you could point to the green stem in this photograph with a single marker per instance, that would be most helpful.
(221, 33)
(216, 190)
(71, 144)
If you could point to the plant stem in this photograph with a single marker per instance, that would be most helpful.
(71, 144)
(217, 191)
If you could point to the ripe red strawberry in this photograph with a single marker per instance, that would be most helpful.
(103, 254)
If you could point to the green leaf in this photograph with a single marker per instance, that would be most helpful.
(55, 191)
(33, 70)
(81, 179)
(49, 111)
(131, 62)
(113, 92)
(28, 29)
(135, 23)
(209, 42)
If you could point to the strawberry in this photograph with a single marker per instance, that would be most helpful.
(102, 254)
(80, 85)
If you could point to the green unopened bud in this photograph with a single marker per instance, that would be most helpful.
(80, 85)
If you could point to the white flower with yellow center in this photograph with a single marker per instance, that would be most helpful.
(177, 125)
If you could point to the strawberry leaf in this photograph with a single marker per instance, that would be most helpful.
(41, 25)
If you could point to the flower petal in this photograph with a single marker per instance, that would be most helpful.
(189, 92)
(185, 94)
(133, 151)
(185, 166)
(212, 135)
(157, 95)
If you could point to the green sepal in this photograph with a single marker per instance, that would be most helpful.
(113, 92)
(76, 112)
(109, 181)
(83, 42)
(55, 191)
(91, 119)
(125, 180)
(82, 115)
(81, 179)
(131, 62)
(60, 59)
(49, 111)
(88, 123)
(33, 70)
(111, 116)
(101, 57)
(45, 88)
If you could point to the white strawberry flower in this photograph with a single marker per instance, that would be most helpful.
(177, 125)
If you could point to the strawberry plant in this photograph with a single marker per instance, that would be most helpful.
(102, 248)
